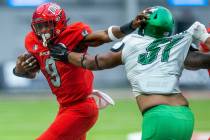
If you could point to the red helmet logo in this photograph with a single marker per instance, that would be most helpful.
(50, 19)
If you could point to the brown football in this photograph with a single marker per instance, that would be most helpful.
(26, 56)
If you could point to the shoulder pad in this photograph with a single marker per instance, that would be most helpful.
(117, 47)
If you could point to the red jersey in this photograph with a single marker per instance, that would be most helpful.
(68, 82)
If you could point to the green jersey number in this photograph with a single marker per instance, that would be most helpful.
(153, 50)
(52, 71)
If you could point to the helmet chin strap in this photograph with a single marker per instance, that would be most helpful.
(45, 37)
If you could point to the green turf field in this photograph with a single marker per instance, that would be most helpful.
(25, 119)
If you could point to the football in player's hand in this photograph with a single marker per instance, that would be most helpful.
(27, 63)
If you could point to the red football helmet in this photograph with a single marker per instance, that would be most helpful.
(48, 21)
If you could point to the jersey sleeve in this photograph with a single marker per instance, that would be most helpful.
(75, 34)
(30, 45)
(83, 30)
(126, 46)
(28, 42)
(86, 30)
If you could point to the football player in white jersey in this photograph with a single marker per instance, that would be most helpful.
(154, 61)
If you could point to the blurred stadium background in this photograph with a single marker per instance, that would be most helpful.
(27, 106)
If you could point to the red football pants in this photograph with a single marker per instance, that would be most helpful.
(72, 122)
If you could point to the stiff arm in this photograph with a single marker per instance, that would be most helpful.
(98, 62)
(113, 33)
(194, 60)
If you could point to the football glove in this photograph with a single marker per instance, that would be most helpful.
(198, 31)
(59, 52)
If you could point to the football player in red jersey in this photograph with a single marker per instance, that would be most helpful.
(71, 85)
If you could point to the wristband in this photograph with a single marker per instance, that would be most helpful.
(82, 61)
(127, 28)
(111, 35)
(96, 61)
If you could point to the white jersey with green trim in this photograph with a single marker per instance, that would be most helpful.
(154, 66)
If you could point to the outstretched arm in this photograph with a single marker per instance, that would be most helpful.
(115, 32)
(197, 60)
(97, 62)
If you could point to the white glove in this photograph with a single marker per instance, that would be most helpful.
(198, 31)
(102, 99)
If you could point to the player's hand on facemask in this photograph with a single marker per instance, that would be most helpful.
(59, 52)
(140, 20)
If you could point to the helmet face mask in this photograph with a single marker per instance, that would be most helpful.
(43, 28)
(48, 21)
(159, 24)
